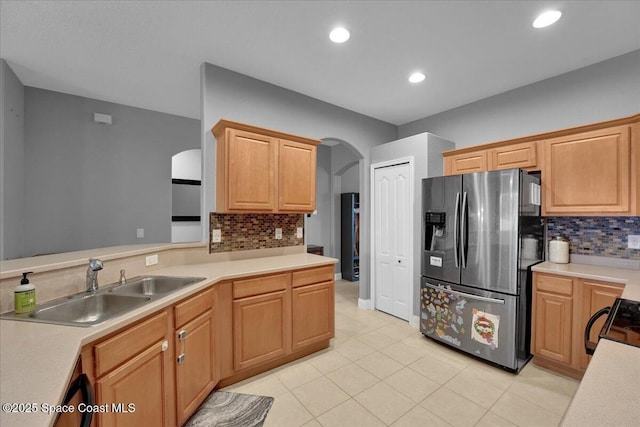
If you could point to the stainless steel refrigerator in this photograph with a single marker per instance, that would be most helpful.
(481, 233)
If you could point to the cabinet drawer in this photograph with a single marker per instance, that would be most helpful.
(313, 275)
(193, 307)
(554, 284)
(119, 348)
(260, 285)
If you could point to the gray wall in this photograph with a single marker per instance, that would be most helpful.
(227, 94)
(11, 163)
(317, 226)
(426, 150)
(350, 181)
(603, 91)
(89, 185)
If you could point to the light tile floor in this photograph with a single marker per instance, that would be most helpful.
(380, 371)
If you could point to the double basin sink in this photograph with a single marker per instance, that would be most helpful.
(88, 309)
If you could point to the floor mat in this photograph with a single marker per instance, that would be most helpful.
(226, 409)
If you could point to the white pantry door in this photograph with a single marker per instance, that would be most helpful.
(392, 240)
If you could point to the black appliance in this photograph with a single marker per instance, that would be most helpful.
(622, 324)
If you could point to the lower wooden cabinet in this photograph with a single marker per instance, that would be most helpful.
(277, 315)
(595, 296)
(134, 367)
(159, 370)
(144, 382)
(195, 353)
(261, 328)
(313, 311)
(553, 332)
(562, 306)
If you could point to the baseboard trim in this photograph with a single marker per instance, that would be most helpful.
(338, 276)
(414, 322)
(365, 304)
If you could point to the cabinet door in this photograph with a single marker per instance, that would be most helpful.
(297, 177)
(553, 323)
(313, 314)
(261, 328)
(588, 173)
(466, 163)
(524, 155)
(552, 327)
(143, 382)
(251, 161)
(195, 371)
(595, 295)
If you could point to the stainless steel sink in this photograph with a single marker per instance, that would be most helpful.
(83, 309)
(88, 309)
(153, 285)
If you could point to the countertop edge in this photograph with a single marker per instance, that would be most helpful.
(81, 336)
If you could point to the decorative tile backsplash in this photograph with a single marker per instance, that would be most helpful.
(598, 236)
(254, 231)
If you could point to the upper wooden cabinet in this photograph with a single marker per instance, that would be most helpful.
(590, 170)
(524, 156)
(588, 173)
(492, 157)
(297, 177)
(474, 161)
(261, 170)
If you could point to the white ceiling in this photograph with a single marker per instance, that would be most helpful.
(148, 54)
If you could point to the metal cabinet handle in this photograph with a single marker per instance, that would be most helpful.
(182, 334)
(181, 359)
(464, 294)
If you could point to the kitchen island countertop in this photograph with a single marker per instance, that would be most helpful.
(608, 394)
(38, 359)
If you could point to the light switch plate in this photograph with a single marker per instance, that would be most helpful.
(299, 233)
(633, 241)
(140, 233)
(151, 260)
(278, 233)
(216, 236)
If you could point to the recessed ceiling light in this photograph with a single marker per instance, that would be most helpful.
(547, 18)
(416, 77)
(339, 35)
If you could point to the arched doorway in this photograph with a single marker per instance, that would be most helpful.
(338, 171)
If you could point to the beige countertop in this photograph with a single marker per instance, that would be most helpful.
(37, 359)
(609, 393)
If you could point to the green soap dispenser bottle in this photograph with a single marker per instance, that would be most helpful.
(24, 295)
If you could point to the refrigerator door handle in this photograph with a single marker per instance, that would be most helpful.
(455, 231)
(463, 231)
(464, 294)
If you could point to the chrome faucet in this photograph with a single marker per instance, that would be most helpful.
(95, 265)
